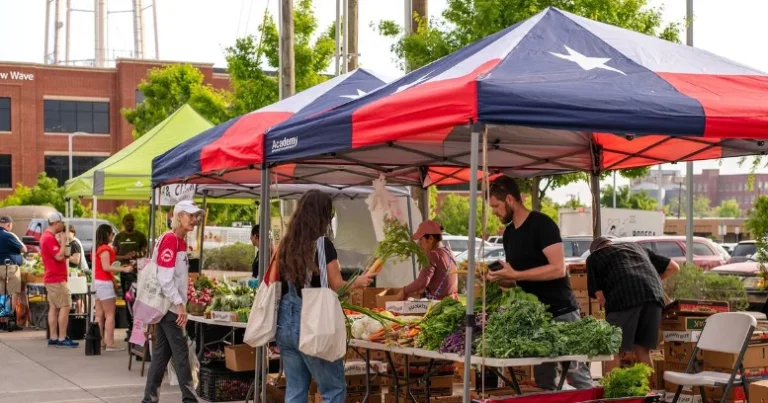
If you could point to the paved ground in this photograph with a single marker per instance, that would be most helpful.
(32, 372)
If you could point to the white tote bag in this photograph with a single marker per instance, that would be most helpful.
(151, 304)
(262, 321)
(323, 333)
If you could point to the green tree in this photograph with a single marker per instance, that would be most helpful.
(627, 199)
(252, 88)
(453, 214)
(702, 206)
(574, 203)
(728, 208)
(677, 204)
(46, 192)
(166, 89)
(466, 21)
(548, 207)
(757, 224)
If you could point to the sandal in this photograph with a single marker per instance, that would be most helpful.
(110, 349)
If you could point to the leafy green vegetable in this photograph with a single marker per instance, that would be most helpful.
(442, 320)
(627, 382)
(398, 243)
(693, 282)
(203, 282)
(588, 336)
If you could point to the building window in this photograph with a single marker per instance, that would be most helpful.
(6, 176)
(139, 97)
(76, 116)
(58, 166)
(5, 114)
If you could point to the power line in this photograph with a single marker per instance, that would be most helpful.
(248, 21)
(239, 18)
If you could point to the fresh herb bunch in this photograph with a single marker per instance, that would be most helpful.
(521, 329)
(627, 382)
(496, 298)
(442, 320)
(455, 342)
(588, 336)
(398, 244)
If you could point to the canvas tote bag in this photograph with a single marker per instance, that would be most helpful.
(323, 333)
(262, 321)
(150, 305)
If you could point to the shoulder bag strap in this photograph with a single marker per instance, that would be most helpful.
(321, 262)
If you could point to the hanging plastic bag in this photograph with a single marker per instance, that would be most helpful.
(382, 203)
(323, 330)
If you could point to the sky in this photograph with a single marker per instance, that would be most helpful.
(200, 30)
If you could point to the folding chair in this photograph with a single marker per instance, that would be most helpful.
(725, 333)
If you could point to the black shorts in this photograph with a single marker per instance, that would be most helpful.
(639, 325)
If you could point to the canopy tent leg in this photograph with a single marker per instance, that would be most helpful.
(470, 315)
(201, 229)
(596, 216)
(260, 381)
(91, 301)
(425, 204)
(152, 218)
(410, 227)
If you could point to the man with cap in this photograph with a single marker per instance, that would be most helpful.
(535, 262)
(439, 279)
(54, 253)
(11, 249)
(626, 279)
(129, 244)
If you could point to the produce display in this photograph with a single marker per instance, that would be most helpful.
(398, 245)
(627, 382)
(514, 325)
(199, 294)
(230, 298)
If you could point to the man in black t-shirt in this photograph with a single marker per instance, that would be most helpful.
(129, 244)
(535, 262)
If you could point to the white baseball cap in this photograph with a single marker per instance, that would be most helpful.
(187, 206)
(54, 218)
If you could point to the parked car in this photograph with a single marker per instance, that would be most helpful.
(490, 254)
(83, 227)
(743, 251)
(496, 240)
(458, 243)
(723, 251)
(728, 247)
(748, 271)
(705, 252)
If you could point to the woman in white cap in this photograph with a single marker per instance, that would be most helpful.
(170, 339)
(439, 279)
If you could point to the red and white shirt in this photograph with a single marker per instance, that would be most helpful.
(173, 267)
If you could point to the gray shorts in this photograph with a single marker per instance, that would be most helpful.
(639, 325)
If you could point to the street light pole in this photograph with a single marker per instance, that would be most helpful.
(689, 165)
(70, 207)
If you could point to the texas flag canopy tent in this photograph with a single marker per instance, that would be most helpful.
(556, 93)
(239, 142)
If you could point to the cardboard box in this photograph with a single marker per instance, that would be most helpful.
(357, 367)
(579, 294)
(399, 359)
(369, 296)
(584, 305)
(409, 307)
(683, 323)
(756, 356)
(375, 355)
(387, 294)
(680, 352)
(224, 316)
(438, 386)
(578, 281)
(523, 375)
(240, 357)
(752, 374)
(735, 395)
(657, 379)
(758, 392)
(356, 398)
(686, 336)
(668, 397)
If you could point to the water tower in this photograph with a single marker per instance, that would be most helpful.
(57, 19)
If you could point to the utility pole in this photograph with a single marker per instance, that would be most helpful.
(689, 165)
(352, 55)
(287, 78)
(420, 8)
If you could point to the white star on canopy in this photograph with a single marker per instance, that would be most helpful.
(586, 62)
(360, 93)
(402, 88)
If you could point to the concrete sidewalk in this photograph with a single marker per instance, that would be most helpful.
(32, 372)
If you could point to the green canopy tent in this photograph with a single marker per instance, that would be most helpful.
(127, 174)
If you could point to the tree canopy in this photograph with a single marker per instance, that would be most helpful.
(453, 214)
(627, 199)
(728, 208)
(46, 192)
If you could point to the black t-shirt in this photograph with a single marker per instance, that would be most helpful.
(74, 248)
(524, 251)
(330, 256)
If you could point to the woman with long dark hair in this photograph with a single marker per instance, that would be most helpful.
(104, 285)
(297, 264)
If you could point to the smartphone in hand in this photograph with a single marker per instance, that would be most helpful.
(495, 266)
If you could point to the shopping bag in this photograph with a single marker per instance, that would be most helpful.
(323, 332)
(150, 305)
(262, 321)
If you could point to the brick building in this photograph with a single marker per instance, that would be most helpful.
(719, 188)
(41, 104)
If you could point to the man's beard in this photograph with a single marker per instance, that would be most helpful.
(508, 215)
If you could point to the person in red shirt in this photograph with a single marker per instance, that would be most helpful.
(104, 284)
(439, 279)
(54, 252)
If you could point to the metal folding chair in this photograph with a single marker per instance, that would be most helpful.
(725, 333)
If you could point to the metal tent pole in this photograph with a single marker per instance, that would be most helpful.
(92, 302)
(596, 216)
(260, 382)
(410, 227)
(201, 228)
(470, 315)
(152, 219)
(689, 165)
